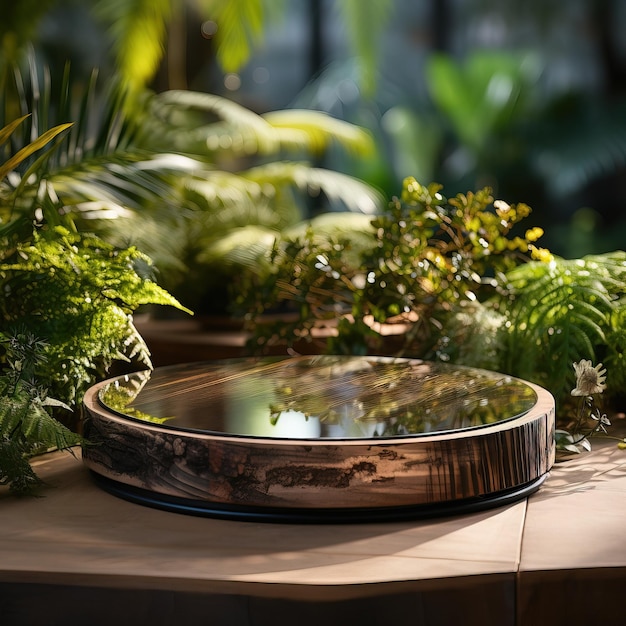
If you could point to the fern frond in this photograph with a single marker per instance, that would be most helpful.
(79, 293)
(26, 427)
(559, 313)
(15, 470)
(609, 267)
(107, 187)
(44, 431)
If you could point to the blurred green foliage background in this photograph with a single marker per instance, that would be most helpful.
(526, 98)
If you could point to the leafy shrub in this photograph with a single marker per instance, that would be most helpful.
(462, 284)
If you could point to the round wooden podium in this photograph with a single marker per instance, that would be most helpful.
(319, 438)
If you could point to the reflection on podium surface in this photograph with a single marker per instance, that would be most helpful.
(319, 397)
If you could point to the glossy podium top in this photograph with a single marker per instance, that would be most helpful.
(319, 397)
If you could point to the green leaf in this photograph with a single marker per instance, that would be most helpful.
(364, 23)
(558, 313)
(10, 128)
(315, 131)
(239, 28)
(39, 143)
(255, 133)
(480, 94)
(340, 188)
(138, 29)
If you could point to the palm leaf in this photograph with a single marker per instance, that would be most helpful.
(246, 247)
(342, 190)
(10, 128)
(24, 153)
(334, 225)
(315, 131)
(355, 229)
(239, 131)
(240, 28)
(115, 184)
(244, 127)
(138, 30)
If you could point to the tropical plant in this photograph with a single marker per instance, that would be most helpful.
(78, 293)
(75, 291)
(564, 310)
(460, 284)
(425, 257)
(26, 426)
(182, 174)
(66, 311)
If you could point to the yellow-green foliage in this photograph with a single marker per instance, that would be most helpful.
(421, 260)
(468, 289)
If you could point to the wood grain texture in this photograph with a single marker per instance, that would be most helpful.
(319, 474)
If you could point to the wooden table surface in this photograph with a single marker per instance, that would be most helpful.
(80, 555)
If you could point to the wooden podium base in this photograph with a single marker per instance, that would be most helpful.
(317, 439)
(314, 515)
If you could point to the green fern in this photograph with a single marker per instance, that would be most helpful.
(560, 312)
(79, 293)
(26, 426)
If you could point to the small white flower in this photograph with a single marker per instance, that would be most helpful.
(589, 379)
